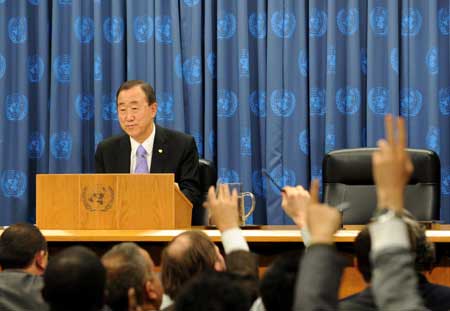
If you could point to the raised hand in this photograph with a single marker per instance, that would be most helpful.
(392, 166)
(322, 220)
(223, 208)
(294, 201)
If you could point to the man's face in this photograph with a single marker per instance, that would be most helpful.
(135, 113)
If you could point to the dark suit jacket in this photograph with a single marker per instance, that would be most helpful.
(179, 156)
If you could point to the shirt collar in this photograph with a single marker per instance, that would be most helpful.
(147, 144)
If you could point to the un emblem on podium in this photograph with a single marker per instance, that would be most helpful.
(97, 199)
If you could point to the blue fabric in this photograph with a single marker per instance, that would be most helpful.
(259, 84)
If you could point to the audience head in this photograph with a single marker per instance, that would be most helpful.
(189, 254)
(278, 284)
(74, 280)
(22, 246)
(424, 251)
(213, 291)
(129, 266)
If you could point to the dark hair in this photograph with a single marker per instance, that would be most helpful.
(19, 244)
(424, 251)
(278, 284)
(196, 256)
(145, 87)
(125, 268)
(244, 264)
(74, 280)
(213, 291)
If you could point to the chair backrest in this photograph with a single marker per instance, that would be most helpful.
(347, 177)
(208, 177)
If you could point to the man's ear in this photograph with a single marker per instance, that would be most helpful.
(41, 260)
(154, 109)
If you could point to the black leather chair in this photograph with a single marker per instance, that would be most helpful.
(208, 177)
(347, 177)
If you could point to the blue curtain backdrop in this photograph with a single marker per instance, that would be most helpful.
(260, 84)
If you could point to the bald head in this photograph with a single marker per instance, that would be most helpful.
(128, 266)
(189, 254)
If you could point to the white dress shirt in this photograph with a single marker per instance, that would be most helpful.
(148, 146)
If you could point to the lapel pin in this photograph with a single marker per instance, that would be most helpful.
(160, 151)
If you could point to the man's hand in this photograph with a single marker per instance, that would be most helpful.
(223, 208)
(294, 201)
(391, 165)
(322, 220)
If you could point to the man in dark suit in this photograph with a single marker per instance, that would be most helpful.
(147, 147)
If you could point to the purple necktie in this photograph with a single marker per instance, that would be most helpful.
(141, 160)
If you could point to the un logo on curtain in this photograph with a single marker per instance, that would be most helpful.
(330, 138)
(84, 29)
(257, 102)
(17, 29)
(283, 24)
(165, 107)
(379, 21)
(444, 21)
(445, 181)
(143, 28)
(433, 139)
(317, 102)
(444, 101)
(282, 103)
(62, 68)
(85, 106)
(13, 183)
(378, 99)
(2, 66)
(192, 70)
(227, 103)
(257, 25)
(411, 101)
(163, 29)
(259, 183)
(246, 142)
(348, 100)
(109, 107)
(61, 145)
(348, 21)
(36, 145)
(303, 141)
(16, 107)
(411, 22)
(211, 63)
(432, 60)
(317, 23)
(35, 68)
(113, 29)
(226, 26)
(98, 74)
(394, 59)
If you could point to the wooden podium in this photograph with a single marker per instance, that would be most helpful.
(110, 201)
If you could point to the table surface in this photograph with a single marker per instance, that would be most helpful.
(438, 234)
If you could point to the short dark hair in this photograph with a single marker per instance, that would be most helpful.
(213, 291)
(74, 280)
(125, 268)
(278, 284)
(19, 243)
(424, 251)
(198, 256)
(145, 87)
